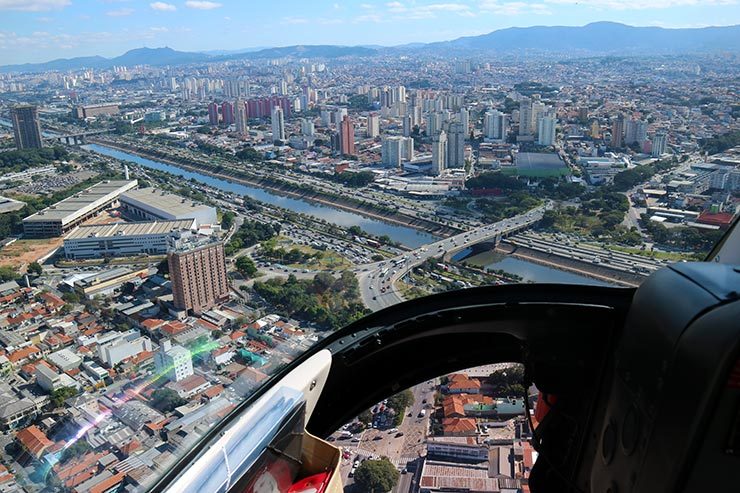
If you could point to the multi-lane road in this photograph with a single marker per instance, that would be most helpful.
(377, 280)
(569, 248)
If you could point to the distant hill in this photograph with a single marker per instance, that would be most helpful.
(310, 51)
(139, 56)
(601, 38)
(168, 56)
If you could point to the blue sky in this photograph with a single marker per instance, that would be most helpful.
(40, 30)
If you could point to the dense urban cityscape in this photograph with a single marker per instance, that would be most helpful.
(172, 234)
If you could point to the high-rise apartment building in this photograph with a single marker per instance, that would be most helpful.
(240, 110)
(373, 125)
(439, 153)
(173, 362)
(407, 126)
(618, 132)
(525, 116)
(659, 145)
(391, 151)
(213, 113)
(455, 145)
(347, 136)
(278, 124)
(339, 115)
(495, 125)
(538, 109)
(635, 131)
(198, 277)
(26, 127)
(546, 130)
(227, 112)
(307, 127)
(465, 119)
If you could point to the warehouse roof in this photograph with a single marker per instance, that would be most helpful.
(131, 229)
(152, 198)
(74, 206)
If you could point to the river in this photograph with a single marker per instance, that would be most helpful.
(407, 236)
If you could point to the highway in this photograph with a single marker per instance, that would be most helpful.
(377, 280)
(562, 246)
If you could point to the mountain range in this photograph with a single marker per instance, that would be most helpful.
(599, 38)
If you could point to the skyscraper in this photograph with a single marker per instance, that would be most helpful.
(635, 131)
(546, 130)
(407, 149)
(455, 145)
(198, 277)
(26, 127)
(538, 109)
(525, 116)
(347, 136)
(439, 153)
(174, 362)
(278, 124)
(241, 117)
(373, 125)
(659, 145)
(339, 115)
(618, 132)
(391, 151)
(213, 113)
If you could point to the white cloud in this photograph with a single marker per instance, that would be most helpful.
(163, 7)
(428, 11)
(641, 4)
(513, 8)
(202, 4)
(120, 12)
(366, 6)
(294, 20)
(159, 29)
(33, 5)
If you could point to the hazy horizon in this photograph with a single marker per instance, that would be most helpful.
(34, 31)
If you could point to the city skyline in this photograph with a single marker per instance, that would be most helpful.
(40, 30)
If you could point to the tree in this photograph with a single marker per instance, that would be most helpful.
(7, 274)
(35, 268)
(401, 401)
(377, 476)
(166, 400)
(58, 396)
(77, 449)
(227, 219)
(365, 417)
(71, 297)
(246, 266)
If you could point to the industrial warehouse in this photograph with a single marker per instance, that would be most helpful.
(127, 239)
(150, 204)
(62, 217)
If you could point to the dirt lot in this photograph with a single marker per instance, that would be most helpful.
(21, 253)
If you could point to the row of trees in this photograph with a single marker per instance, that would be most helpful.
(328, 302)
(682, 237)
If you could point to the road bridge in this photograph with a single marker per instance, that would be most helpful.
(377, 280)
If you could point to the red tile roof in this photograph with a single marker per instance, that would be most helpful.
(23, 353)
(34, 440)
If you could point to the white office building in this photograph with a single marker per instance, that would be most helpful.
(307, 127)
(455, 145)
(127, 239)
(127, 345)
(173, 361)
(659, 145)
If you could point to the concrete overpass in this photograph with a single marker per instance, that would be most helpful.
(79, 137)
(377, 280)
